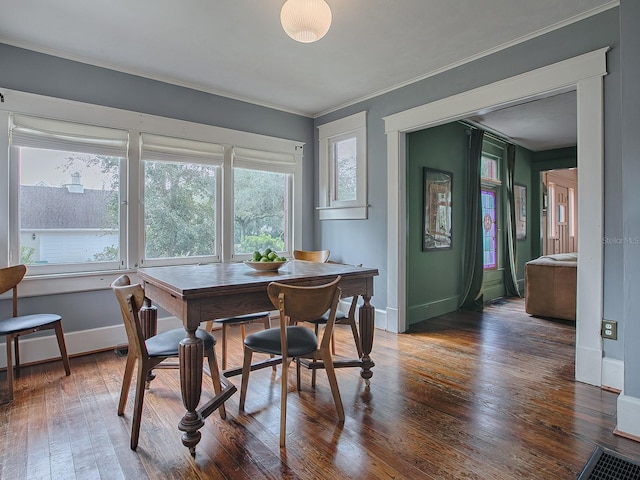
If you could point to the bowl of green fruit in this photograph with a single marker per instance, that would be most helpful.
(267, 261)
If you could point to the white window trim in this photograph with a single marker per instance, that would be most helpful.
(39, 132)
(135, 123)
(353, 126)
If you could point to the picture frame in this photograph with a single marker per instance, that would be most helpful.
(437, 219)
(520, 205)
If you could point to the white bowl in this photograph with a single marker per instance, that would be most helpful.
(265, 266)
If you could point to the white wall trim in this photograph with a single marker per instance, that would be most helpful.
(628, 415)
(582, 73)
(613, 373)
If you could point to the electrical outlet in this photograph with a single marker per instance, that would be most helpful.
(610, 329)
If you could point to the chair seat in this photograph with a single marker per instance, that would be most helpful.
(26, 322)
(300, 341)
(165, 344)
(325, 318)
(252, 317)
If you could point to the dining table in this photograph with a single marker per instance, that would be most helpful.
(205, 292)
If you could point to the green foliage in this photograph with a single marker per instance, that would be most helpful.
(179, 205)
(260, 243)
(27, 255)
(179, 209)
(108, 254)
(259, 206)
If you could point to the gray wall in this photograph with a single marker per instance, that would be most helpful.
(42, 74)
(630, 113)
(348, 238)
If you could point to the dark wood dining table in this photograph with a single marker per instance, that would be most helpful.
(201, 293)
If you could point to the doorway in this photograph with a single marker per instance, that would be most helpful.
(583, 74)
(560, 211)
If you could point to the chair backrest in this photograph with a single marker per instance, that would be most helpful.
(303, 304)
(131, 298)
(318, 256)
(10, 277)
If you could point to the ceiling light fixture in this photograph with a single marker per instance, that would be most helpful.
(305, 21)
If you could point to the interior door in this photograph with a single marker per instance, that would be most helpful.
(559, 227)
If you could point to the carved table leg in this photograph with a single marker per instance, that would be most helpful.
(367, 327)
(148, 316)
(191, 353)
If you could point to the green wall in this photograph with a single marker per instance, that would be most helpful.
(434, 278)
(523, 176)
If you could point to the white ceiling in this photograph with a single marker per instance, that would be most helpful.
(237, 48)
(540, 125)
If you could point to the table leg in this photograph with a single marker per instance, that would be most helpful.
(191, 353)
(367, 327)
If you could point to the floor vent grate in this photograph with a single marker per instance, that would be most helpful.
(607, 465)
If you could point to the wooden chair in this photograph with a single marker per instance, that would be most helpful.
(341, 318)
(295, 304)
(241, 321)
(151, 352)
(318, 256)
(16, 326)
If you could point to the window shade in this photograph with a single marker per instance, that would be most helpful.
(170, 149)
(36, 132)
(261, 160)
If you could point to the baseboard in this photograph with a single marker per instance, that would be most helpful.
(589, 367)
(428, 310)
(612, 374)
(628, 416)
(43, 348)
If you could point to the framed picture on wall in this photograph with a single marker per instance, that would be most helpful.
(437, 209)
(520, 194)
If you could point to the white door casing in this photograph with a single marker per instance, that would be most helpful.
(584, 74)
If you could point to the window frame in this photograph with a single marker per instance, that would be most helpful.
(494, 185)
(251, 159)
(353, 126)
(25, 103)
(67, 133)
(166, 148)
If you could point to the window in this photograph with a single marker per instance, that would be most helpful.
(489, 229)
(92, 200)
(180, 199)
(489, 172)
(343, 168)
(67, 214)
(262, 201)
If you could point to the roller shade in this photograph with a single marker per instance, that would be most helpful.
(36, 132)
(261, 160)
(170, 149)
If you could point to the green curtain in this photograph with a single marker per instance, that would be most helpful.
(510, 274)
(472, 298)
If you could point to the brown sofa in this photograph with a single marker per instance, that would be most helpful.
(550, 286)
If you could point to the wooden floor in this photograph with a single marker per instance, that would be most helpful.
(464, 396)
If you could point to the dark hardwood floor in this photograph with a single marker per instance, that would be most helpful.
(463, 396)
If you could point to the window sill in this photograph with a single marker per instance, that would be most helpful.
(40, 285)
(343, 213)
